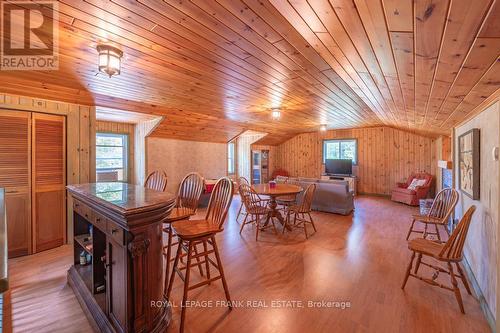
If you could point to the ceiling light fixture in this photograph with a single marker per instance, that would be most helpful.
(109, 59)
(322, 128)
(276, 114)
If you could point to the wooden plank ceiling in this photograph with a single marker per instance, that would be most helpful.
(216, 68)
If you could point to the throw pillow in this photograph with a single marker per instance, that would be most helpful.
(415, 183)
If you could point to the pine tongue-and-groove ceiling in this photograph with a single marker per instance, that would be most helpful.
(214, 69)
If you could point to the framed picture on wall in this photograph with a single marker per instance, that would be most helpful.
(468, 166)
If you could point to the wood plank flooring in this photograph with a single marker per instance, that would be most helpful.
(359, 259)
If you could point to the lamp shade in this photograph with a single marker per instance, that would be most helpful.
(109, 59)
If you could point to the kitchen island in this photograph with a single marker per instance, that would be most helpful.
(118, 264)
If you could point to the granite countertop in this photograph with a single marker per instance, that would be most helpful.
(121, 197)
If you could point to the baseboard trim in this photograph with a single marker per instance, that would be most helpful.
(490, 318)
(375, 194)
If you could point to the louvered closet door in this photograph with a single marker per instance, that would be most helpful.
(48, 181)
(15, 131)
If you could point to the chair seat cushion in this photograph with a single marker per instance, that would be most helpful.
(194, 228)
(426, 246)
(404, 191)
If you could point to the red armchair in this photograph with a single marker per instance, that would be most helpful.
(411, 197)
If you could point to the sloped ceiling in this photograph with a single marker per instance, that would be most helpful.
(214, 69)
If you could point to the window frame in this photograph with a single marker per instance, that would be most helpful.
(125, 157)
(340, 140)
(231, 158)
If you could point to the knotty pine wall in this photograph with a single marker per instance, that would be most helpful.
(122, 128)
(385, 156)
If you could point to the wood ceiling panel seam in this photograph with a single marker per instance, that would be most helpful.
(219, 47)
(429, 18)
(288, 18)
(454, 61)
(388, 35)
(247, 1)
(496, 63)
(466, 58)
(377, 95)
(158, 58)
(369, 55)
(187, 14)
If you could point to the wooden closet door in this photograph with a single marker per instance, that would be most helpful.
(48, 181)
(15, 155)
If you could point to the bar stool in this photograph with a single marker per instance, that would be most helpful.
(186, 205)
(196, 232)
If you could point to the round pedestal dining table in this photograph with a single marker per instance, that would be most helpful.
(273, 192)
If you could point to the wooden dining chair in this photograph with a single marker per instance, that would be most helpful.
(156, 180)
(450, 252)
(254, 208)
(438, 215)
(202, 232)
(286, 201)
(188, 197)
(241, 180)
(301, 210)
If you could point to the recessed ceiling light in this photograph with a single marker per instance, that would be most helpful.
(276, 114)
(322, 127)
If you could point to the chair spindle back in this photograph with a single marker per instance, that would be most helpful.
(219, 203)
(307, 198)
(453, 249)
(290, 196)
(157, 180)
(243, 180)
(190, 191)
(444, 204)
(249, 197)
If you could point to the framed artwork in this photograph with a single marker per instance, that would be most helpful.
(468, 168)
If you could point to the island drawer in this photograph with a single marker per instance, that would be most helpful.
(100, 222)
(116, 233)
(82, 210)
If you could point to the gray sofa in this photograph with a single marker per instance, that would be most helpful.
(331, 195)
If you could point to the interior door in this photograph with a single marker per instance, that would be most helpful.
(15, 155)
(48, 181)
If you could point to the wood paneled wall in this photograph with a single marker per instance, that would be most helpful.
(122, 128)
(385, 156)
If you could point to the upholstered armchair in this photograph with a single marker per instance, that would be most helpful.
(411, 196)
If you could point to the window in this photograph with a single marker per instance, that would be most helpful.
(111, 157)
(230, 158)
(341, 149)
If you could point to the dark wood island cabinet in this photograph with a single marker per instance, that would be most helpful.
(118, 264)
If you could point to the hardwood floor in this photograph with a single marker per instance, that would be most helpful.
(359, 259)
